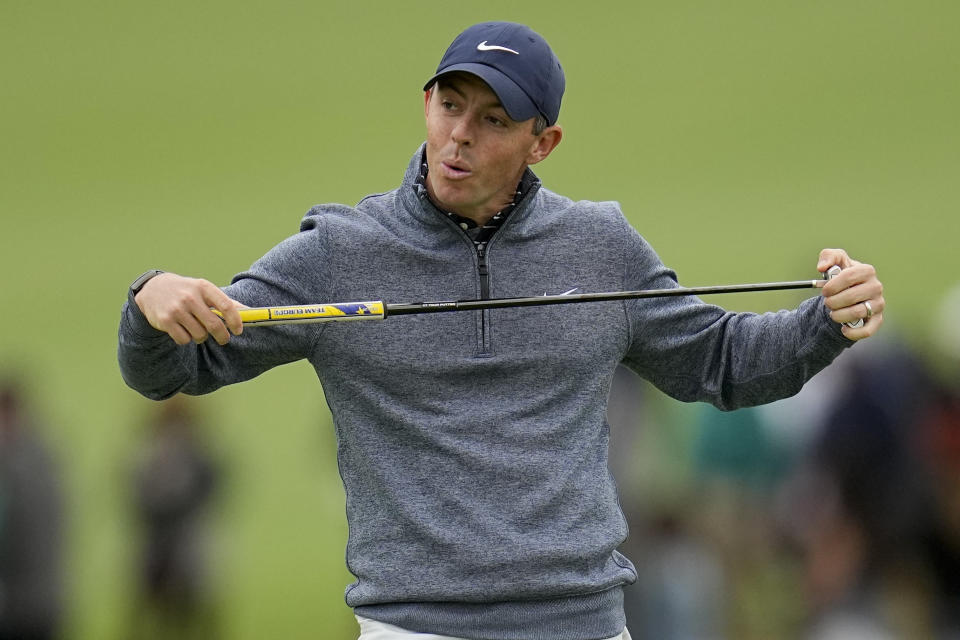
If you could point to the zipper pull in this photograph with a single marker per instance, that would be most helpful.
(482, 270)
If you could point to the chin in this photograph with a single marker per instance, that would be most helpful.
(451, 200)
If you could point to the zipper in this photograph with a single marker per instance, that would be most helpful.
(483, 271)
(484, 274)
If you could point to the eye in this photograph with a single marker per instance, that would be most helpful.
(496, 121)
(447, 105)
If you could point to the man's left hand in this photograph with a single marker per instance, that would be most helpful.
(854, 294)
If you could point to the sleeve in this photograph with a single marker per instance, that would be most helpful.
(694, 351)
(291, 273)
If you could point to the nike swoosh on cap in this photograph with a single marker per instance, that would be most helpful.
(483, 46)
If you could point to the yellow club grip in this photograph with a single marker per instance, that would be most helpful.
(333, 312)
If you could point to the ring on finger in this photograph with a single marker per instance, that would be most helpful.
(866, 303)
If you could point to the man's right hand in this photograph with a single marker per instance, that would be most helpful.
(181, 307)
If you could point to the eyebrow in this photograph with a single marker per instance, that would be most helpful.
(452, 85)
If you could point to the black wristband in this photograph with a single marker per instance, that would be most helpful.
(144, 279)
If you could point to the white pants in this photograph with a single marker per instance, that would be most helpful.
(373, 630)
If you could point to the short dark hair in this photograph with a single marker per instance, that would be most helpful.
(540, 124)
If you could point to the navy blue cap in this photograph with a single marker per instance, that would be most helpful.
(515, 61)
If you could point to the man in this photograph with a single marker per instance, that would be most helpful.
(174, 480)
(31, 524)
(473, 446)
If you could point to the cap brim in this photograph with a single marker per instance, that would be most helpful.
(514, 100)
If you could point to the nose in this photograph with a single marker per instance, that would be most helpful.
(462, 132)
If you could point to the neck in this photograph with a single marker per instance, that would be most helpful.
(480, 214)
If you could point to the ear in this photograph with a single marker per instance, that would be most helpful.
(545, 143)
(426, 101)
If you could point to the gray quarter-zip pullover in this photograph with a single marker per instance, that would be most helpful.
(473, 445)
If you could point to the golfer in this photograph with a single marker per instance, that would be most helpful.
(473, 445)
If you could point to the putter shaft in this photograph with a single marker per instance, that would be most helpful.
(378, 309)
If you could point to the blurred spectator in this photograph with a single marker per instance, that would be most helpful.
(175, 479)
(678, 594)
(739, 462)
(860, 502)
(940, 441)
(831, 515)
(31, 523)
(941, 542)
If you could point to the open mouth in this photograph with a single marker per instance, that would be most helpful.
(455, 170)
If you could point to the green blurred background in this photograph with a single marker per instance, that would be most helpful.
(740, 138)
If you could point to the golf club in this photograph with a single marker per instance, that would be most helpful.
(378, 309)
